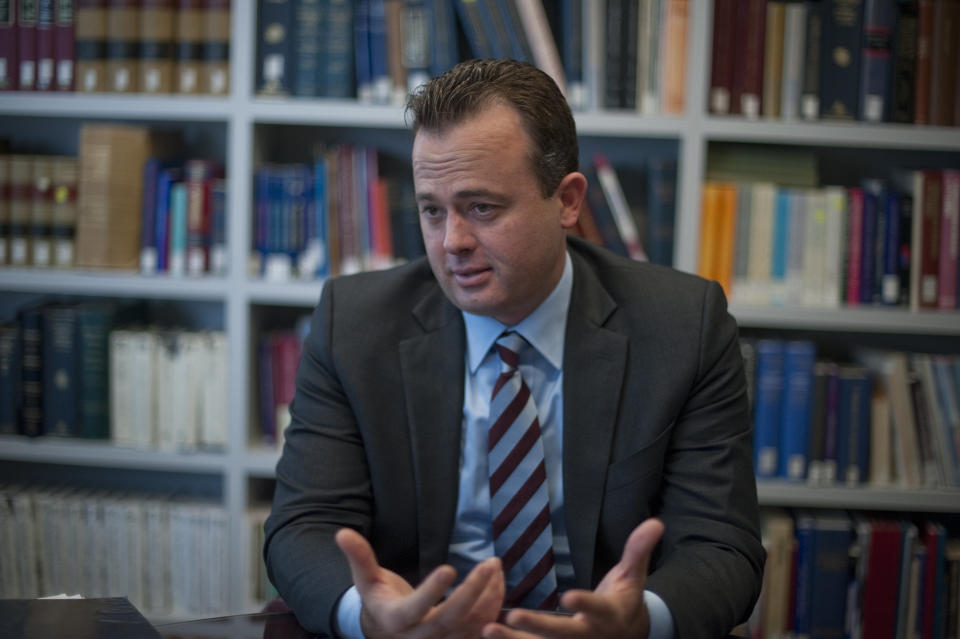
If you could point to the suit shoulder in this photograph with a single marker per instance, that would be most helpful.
(389, 289)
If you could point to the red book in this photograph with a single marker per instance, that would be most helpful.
(45, 70)
(949, 244)
(750, 34)
(943, 61)
(64, 20)
(921, 105)
(934, 538)
(854, 246)
(929, 258)
(27, 44)
(721, 62)
(8, 46)
(882, 583)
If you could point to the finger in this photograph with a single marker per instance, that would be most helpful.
(636, 552)
(425, 596)
(484, 577)
(549, 625)
(593, 605)
(499, 631)
(363, 562)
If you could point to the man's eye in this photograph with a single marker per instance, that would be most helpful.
(483, 209)
(430, 212)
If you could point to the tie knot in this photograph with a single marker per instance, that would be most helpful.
(509, 346)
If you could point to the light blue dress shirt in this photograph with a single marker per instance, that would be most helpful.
(542, 369)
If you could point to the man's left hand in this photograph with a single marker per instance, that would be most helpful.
(615, 609)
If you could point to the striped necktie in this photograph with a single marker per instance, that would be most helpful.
(519, 503)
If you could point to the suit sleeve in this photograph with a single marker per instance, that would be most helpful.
(709, 565)
(323, 483)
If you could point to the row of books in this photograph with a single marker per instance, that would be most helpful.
(278, 357)
(890, 418)
(69, 370)
(840, 575)
(874, 61)
(892, 244)
(340, 215)
(616, 54)
(168, 556)
(167, 46)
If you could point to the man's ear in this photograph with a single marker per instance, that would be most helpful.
(571, 192)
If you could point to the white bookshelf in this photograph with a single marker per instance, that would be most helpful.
(239, 114)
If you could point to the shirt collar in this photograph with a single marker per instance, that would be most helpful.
(544, 328)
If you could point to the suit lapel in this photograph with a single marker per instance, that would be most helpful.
(432, 368)
(594, 364)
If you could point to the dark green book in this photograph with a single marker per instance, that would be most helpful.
(94, 322)
(60, 371)
(31, 389)
(9, 379)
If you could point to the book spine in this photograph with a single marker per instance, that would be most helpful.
(157, 46)
(748, 69)
(275, 71)
(573, 51)
(361, 45)
(473, 27)
(219, 250)
(617, 202)
(64, 23)
(41, 205)
(417, 41)
(721, 59)
(379, 73)
(215, 68)
(904, 244)
(943, 62)
(31, 400)
(198, 176)
(929, 241)
(661, 207)
(949, 240)
(443, 28)
(339, 50)
(890, 282)
(855, 246)
(307, 47)
(9, 49)
(59, 371)
(179, 207)
(773, 59)
(27, 44)
(831, 427)
(19, 209)
(94, 323)
(148, 217)
(840, 72)
(123, 45)
(872, 195)
(876, 91)
(794, 42)
(63, 218)
(905, 63)
(675, 57)
(767, 409)
(190, 18)
(817, 431)
(45, 69)
(91, 46)
(798, 362)
(810, 96)
(10, 379)
(921, 105)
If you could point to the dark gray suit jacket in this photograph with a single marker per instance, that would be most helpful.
(656, 423)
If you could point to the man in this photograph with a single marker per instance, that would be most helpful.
(625, 378)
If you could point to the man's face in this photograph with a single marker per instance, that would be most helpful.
(495, 244)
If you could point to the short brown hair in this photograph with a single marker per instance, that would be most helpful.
(466, 89)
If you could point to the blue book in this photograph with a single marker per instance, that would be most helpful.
(829, 576)
(876, 75)
(571, 14)
(890, 278)
(275, 52)
(94, 322)
(361, 47)
(337, 75)
(60, 371)
(766, 413)
(10, 376)
(798, 361)
(308, 47)
(806, 559)
(31, 381)
(314, 261)
(872, 193)
(831, 428)
(661, 209)
(165, 180)
(177, 256)
(473, 27)
(853, 425)
(443, 45)
(148, 216)
(495, 26)
(841, 35)
(781, 243)
(379, 74)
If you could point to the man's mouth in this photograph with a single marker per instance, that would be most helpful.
(470, 276)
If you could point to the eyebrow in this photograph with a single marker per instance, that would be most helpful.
(462, 195)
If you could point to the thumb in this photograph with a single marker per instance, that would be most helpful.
(363, 561)
(635, 559)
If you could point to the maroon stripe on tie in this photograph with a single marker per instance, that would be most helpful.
(507, 417)
(552, 602)
(523, 543)
(530, 581)
(503, 379)
(515, 456)
(515, 505)
(508, 356)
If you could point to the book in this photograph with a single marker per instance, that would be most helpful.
(921, 107)
(31, 397)
(41, 210)
(810, 96)
(91, 46)
(840, 72)
(443, 46)
(661, 209)
(157, 40)
(927, 236)
(943, 62)
(674, 57)
(904, 63)
(794, 43)
(768, 406)
(275, 20)
(338, 75)
(795, 406)
(572, 52)
(949, 240)
(189, 42)
(773, 59)
(878, 610)
(60, 371)
(215, 64)
(876, 75)
(890, 243)
(26, 14)
(473, 26)
(824, 386)
(721, 58)
(617, 203)
(748, 67)
(832, 537)
(64, 42)
(63, 217)
(854, 411)
(9, 51)
(108, 236)
(123, 45)
(10, 378)
(94, 321)
(542, 44)
(45, 69)
(19, 209)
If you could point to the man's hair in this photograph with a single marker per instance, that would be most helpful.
(468, 88)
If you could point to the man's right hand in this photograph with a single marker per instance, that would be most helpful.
(393, 608)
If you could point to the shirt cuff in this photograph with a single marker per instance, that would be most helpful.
(661, 621)
(348, 614)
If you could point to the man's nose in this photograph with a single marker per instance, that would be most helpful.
(458, 234)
